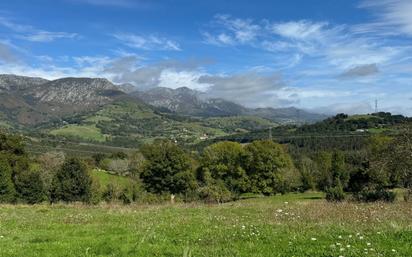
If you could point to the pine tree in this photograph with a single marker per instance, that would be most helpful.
(30, 187)
(71, 183)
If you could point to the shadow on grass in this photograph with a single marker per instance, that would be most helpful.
(313, 198)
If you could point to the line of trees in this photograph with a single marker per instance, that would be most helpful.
(221, 172)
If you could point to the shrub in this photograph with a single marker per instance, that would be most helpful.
(215, 193)
(408, 195)
(109, 193)
(373, 195)
(125, 196)
(335, 194)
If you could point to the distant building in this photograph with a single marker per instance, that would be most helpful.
(204, 137)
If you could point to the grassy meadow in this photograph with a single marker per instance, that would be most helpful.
(288, 225)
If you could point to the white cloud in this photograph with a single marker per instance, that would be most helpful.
(299, 30)
(150, 42)
(174, 79)
(362, 107)
(33, 34)
(361, 71)
(393, 17)
(46, 36)
(236, 31)
(333, 45)
(6, 54)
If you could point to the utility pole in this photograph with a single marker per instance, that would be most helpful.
(376, 105)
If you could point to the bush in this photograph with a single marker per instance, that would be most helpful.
(373, 195)
(408, 195)
(125, 196)
(109, 193)
(335, 194)
(71, 183)
(215, 193)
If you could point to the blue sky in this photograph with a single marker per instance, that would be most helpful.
(322, 55)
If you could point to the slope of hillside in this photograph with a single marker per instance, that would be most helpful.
(128, 122)
(190, 102)
(96, 110)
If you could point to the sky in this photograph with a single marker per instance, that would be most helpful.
(326, 56)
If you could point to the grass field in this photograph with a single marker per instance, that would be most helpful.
(87, 132)
(105, 179)
(289, 225)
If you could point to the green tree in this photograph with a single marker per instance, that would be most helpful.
(323, 162)
(307, 169)
(270, 168)
(30, 187)
(399, 161)
(7, 190)
(224, 162)
(167, 169)
(340, 174)
(72, 182)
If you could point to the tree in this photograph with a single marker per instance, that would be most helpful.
(270, 168)
(399, 161)
(72, 182)
(30, 187)
(224, 162)
(7, 190)
(340, 174)
(167, 169)
(324, 166)
(49, 163)
(307, 169)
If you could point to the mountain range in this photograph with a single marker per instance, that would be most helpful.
(56, 107)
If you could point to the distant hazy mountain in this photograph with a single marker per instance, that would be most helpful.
(186, 101)
(190, 102)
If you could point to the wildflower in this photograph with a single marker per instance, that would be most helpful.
(340, 237)
(393, 250)
(313, 239)
(243, 227)
(279, 210)
(348, 246)
(368, 244)
(361, 237)
(286, 202)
